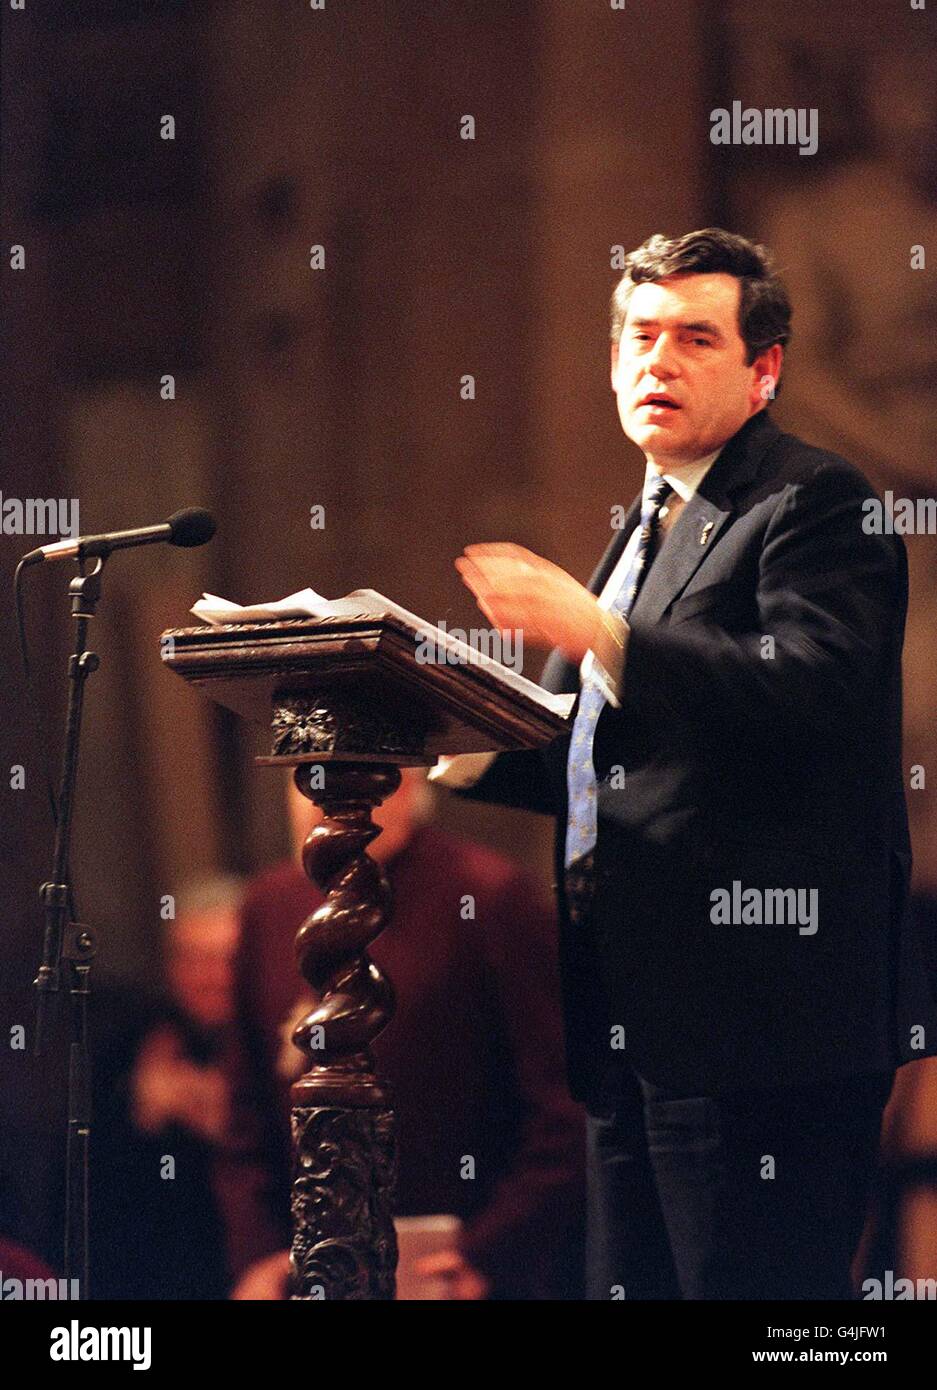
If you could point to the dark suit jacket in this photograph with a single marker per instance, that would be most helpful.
(774, 764)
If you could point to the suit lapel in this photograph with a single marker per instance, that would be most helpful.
(684, 548)
(697, 528)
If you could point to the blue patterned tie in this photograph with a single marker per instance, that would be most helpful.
(582, 823)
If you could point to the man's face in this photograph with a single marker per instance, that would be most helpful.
(681, 344)
(201, 964)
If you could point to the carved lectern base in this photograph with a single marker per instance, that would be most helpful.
(344, 1162)
(344, 1151)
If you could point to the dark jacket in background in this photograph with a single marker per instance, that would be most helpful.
(154, 1236)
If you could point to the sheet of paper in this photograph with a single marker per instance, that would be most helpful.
(306, 603)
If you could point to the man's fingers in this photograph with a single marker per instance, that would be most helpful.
(496, 570)
(504, 610)
(505, 575)
(501, 611)
(487, 597)
(506, 563)
(498, 548)
(506, 552)
(493, 579)
(475, 577)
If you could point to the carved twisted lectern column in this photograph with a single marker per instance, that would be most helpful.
(347, 749)
(344, 1149)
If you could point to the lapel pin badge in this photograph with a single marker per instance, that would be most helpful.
(704, 534)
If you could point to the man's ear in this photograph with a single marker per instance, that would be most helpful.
(767, 368)
(614, 363)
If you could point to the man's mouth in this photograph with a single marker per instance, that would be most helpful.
(658, 401)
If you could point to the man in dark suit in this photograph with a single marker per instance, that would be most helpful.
(740, 982)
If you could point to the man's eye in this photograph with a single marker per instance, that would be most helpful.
(703, 342)
(642, 337)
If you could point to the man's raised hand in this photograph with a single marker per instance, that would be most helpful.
(515, 588)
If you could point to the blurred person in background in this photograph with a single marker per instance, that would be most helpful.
(160, 1107)
(473, 1057)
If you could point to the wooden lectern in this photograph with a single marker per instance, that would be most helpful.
(349, 704)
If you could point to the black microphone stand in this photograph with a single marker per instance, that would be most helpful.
(69, 947)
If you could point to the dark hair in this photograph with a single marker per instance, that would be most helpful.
(764, 307)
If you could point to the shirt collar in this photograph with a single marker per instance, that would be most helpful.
(686, 477)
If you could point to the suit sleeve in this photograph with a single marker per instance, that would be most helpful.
(831, 600)
(518, 779)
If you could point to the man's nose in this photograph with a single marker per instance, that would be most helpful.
(662, 359)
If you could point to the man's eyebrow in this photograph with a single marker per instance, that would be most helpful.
(702, 326)
(693, 326)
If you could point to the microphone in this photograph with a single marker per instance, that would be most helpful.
(191, 526)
